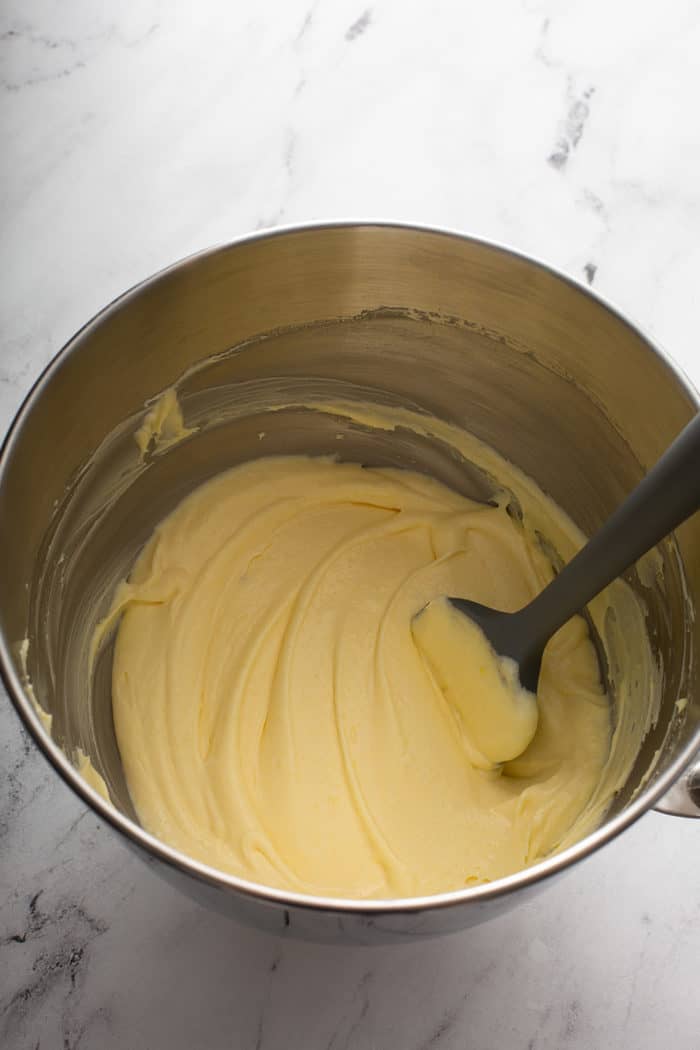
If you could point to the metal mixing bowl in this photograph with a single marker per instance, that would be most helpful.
(524, 358)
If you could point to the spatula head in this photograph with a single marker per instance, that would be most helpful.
(497, 716)
(509, 635)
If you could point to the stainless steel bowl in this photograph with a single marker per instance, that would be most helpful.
(526, 359)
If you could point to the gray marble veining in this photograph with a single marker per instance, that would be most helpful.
(136, 133)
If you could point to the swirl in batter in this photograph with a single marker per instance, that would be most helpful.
(276, 718)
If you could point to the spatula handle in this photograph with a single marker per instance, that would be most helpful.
(668, 495)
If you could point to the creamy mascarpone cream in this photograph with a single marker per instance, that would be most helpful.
(498, 715)
(276, 718)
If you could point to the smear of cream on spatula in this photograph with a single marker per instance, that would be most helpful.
(498, 716)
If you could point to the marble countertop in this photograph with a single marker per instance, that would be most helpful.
(136, 132)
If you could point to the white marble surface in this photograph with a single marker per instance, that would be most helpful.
(135, 132)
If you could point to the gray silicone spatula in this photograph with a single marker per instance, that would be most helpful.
(668, 495)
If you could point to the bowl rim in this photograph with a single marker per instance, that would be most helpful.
(173, 858)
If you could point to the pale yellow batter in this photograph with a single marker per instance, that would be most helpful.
(276, 718)
(497, 715)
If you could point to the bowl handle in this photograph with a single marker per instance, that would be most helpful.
(683, 800)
